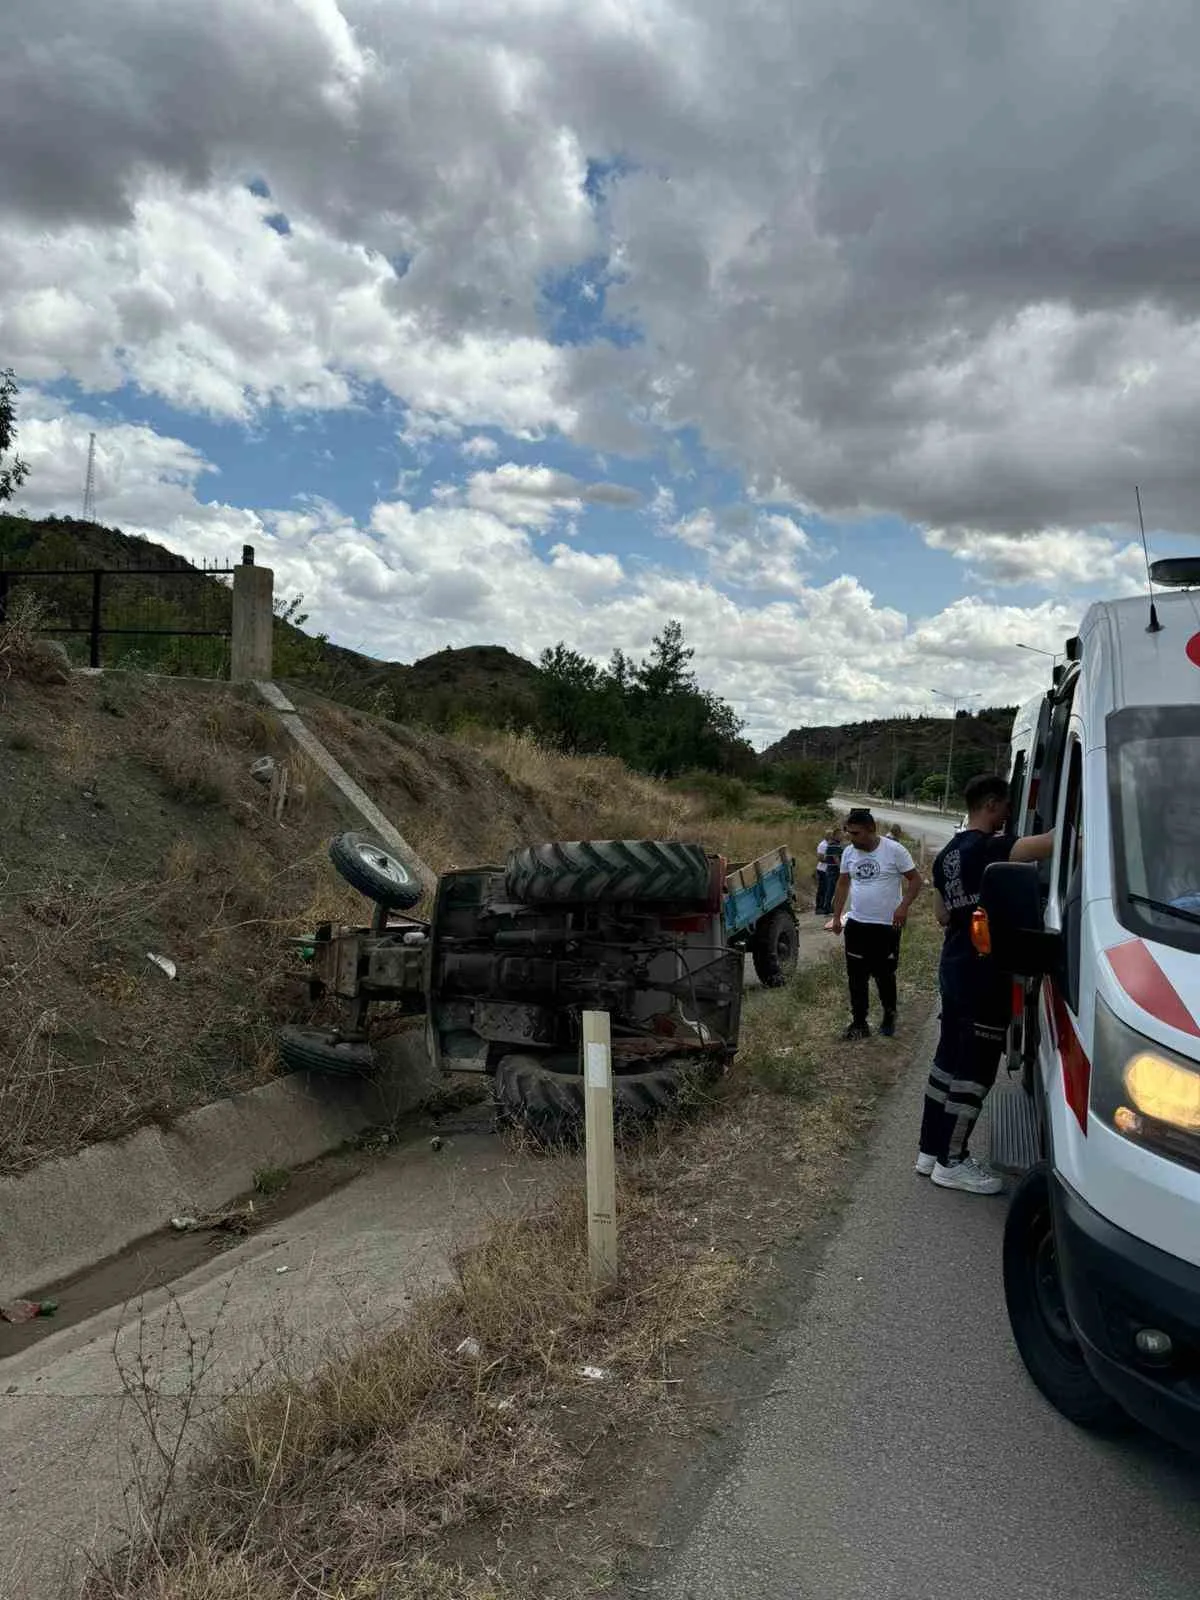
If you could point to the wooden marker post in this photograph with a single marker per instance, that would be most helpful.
(601, 1155)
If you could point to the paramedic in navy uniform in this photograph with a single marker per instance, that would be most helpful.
(976, 996)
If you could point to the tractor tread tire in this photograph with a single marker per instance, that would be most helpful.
(775, 947)
(374, 871)
(316, 1050)
(587, 870)
(549, 1104)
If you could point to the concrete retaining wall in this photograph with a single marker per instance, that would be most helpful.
(66, 1215)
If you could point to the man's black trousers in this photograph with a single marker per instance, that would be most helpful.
(872, 951)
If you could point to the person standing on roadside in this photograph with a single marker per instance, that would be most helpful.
(829, 855)
(976, 996)
(880, 881)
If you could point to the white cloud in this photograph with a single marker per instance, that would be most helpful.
(584, 576)
(198, 301)
(534, 496)
(1052, 559)
(480, 447)
(743, 548)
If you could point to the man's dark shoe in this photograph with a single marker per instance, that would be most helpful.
(857, 1030)
(888, 1026)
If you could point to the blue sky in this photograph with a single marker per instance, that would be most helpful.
(530, 323)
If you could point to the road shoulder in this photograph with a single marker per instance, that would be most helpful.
(890, 1430)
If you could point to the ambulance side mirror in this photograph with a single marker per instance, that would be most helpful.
(1011, 896)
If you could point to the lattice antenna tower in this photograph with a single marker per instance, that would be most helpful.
(89, 486)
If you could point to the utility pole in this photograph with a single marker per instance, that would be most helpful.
(955, 702)
(89, 487)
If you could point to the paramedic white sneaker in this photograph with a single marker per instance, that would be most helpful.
(969, 1175)
(925, 1164)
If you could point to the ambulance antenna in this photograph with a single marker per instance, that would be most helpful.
(1155, 624)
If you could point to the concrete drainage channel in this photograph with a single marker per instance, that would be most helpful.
(302, 1288)
(66, 1216)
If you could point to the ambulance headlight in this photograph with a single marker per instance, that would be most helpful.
(1148, 1094)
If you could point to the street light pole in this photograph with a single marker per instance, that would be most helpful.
(950, 760)
(1033, 650)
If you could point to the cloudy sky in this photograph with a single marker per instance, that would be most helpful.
(839, 329)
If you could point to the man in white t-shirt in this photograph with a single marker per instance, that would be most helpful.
(880, 881)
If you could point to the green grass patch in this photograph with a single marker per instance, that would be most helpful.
(790, 1035)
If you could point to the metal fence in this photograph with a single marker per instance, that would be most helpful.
(174, 619)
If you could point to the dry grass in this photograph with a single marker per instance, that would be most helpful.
(792, 1035)
(23, 652)
(393, 1445)
(138, 829)
(420, 1465)
(597, 797)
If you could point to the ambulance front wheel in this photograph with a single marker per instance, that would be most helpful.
(1037, 1311)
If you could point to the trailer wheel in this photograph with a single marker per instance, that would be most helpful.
(775, 947)
(544, 1095)
(609, 869)
(317, 1050)
(1037, 1311)
(374, 871)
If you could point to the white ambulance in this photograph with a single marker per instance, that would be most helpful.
(1102, 1240)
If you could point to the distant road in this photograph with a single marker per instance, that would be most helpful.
(935, 827)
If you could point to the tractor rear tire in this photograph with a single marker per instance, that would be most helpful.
(609, 869)
(318, 1050)
(374, 871)
(775, 947)
(547, 1100)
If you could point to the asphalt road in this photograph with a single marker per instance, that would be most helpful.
(902, 1453)
(934, 827)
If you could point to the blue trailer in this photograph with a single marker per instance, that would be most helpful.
(758, 908)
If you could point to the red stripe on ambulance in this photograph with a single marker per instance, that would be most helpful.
(1148, 986)
(1076, 1068)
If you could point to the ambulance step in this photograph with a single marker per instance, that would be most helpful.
(1012, 1128)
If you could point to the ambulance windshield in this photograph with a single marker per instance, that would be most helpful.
(1154, 773)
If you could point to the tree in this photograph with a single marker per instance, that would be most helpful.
(652, 713)
(666, 672)
(14, 473)
(803, 783)
(568, 699)
(289, 610)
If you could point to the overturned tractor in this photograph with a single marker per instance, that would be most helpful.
(653, 932)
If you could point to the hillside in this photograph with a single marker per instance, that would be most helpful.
(485, 683)
(897, 755)
(133, 827)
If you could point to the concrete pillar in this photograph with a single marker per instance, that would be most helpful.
(253, 621)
